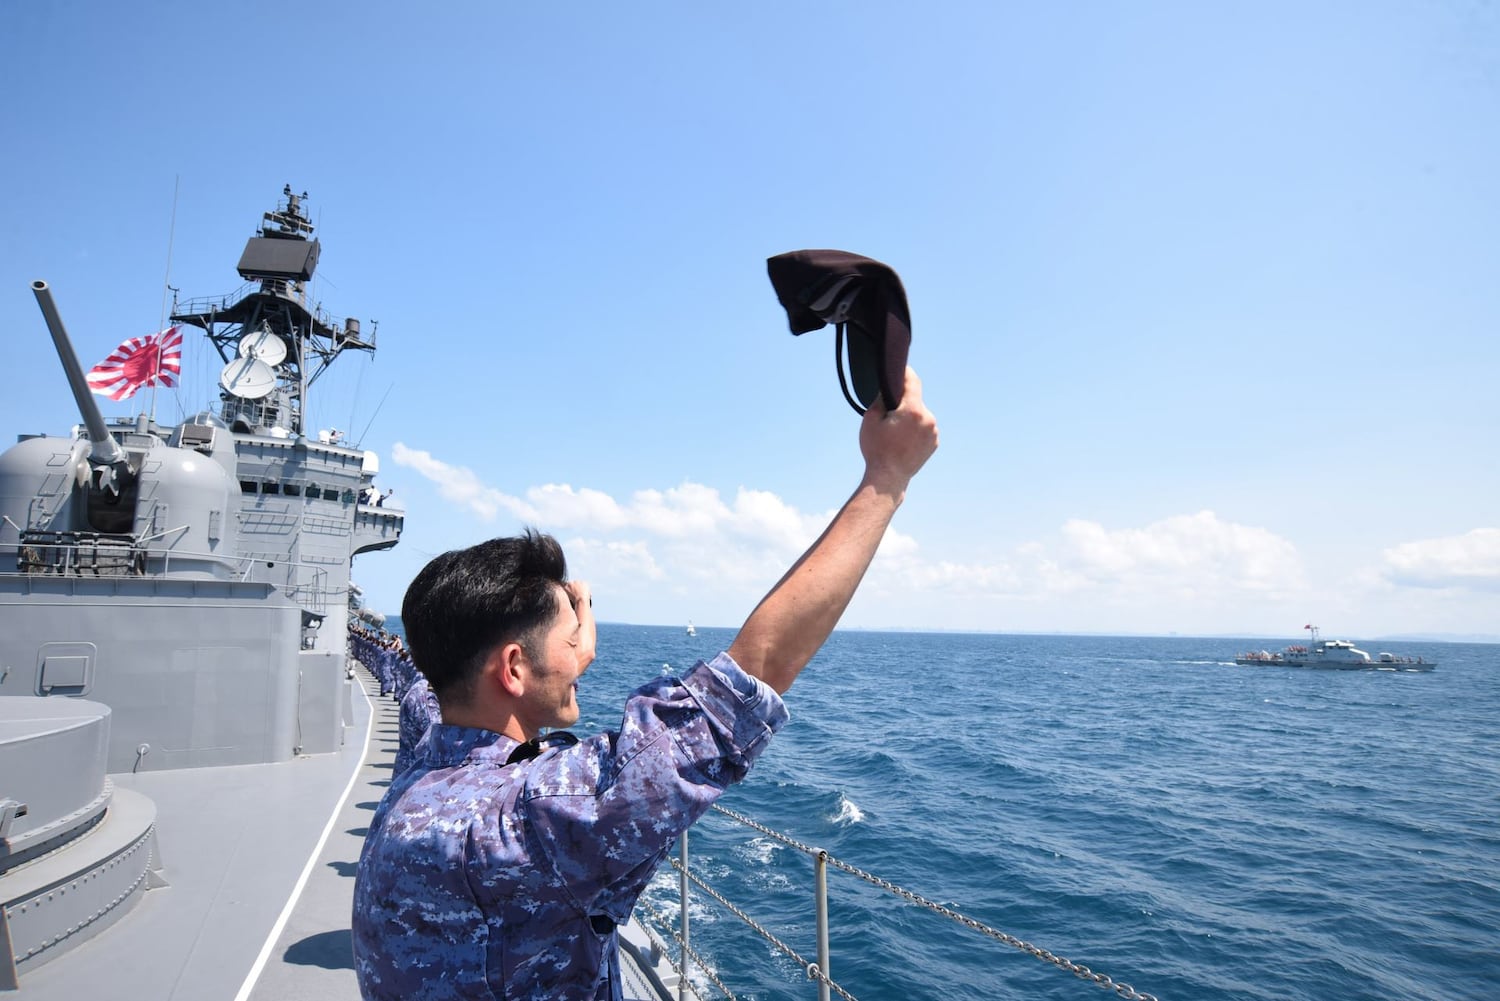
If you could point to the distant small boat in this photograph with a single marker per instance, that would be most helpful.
(690, 630)
(1338, 655)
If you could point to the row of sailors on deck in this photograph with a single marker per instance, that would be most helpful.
(386, 657)
(384, 654)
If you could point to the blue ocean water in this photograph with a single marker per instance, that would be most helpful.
(1142, 806)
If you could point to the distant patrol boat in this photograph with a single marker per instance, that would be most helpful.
(1338, 655)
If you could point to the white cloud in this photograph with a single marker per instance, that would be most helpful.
(558, 505)
(615, 560)
(687, 546)
(1198, 558)
(1191, 552)
(946, 575)
(1471, 560)
(690, 511)
(687, 511)
(460, 485)
(759, 514)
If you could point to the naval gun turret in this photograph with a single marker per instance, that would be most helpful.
(127, 501)
(111, 482)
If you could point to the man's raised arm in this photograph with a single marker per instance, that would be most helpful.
(791, 623)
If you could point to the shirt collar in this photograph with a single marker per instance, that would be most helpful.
(447, 746)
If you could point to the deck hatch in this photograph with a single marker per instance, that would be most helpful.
(65, 669)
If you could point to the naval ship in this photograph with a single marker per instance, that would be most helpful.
(179, 709)
(1333, 655)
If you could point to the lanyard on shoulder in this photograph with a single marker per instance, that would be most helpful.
(536, 745)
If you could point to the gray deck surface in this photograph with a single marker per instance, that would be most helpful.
(234, 842)
(313, 956)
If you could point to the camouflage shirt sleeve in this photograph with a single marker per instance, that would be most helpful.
(605, 811)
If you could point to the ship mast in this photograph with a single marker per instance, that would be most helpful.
(273, 343)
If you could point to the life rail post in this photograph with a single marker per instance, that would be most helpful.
(682, 880)
(820, 873)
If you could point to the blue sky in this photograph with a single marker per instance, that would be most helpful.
(1204, 296)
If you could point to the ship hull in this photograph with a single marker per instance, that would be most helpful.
(197, 673)
(1374, 665)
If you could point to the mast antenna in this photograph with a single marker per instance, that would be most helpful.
(360, 440)
(166, 282)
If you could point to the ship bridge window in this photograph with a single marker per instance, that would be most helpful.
(248, 486)
(291, 490)
(312, 491)
(269, 487)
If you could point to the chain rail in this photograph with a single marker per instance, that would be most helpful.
(813, 972)
(708, 972)
(655, 918)
(1078, 970)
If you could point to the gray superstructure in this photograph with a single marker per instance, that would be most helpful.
(172, 597)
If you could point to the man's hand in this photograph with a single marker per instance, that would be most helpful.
(896, 444)
(582, 600)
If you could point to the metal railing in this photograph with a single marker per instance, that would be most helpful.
(93, 555)
(322, 319)
(688, 961)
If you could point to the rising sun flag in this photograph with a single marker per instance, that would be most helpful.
(140, 361)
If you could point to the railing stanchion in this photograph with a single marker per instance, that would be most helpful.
(682, 984)
(820, 871)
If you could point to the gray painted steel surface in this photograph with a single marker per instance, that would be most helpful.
(174, 608)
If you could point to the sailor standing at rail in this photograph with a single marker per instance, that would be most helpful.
(500, 863)
(419, 710)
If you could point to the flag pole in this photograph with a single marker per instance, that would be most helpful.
(166, 284)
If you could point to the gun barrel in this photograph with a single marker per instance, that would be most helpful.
(105, 448)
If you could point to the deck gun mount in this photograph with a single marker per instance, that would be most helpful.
(106, 472)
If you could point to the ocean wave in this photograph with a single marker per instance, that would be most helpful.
(758, 851)
(847, 813)
(664, 894)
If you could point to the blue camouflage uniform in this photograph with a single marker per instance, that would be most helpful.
(403, 674)
(482, 878)
(419, 710)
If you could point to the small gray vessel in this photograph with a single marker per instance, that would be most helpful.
(174, 611)
(1333, 655)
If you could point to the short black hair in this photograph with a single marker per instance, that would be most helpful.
(467, 601)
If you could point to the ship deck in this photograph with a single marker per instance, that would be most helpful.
(260, 881)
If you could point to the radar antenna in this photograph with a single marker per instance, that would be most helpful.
(271, 323)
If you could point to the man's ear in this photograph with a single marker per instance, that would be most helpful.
(507, 669)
